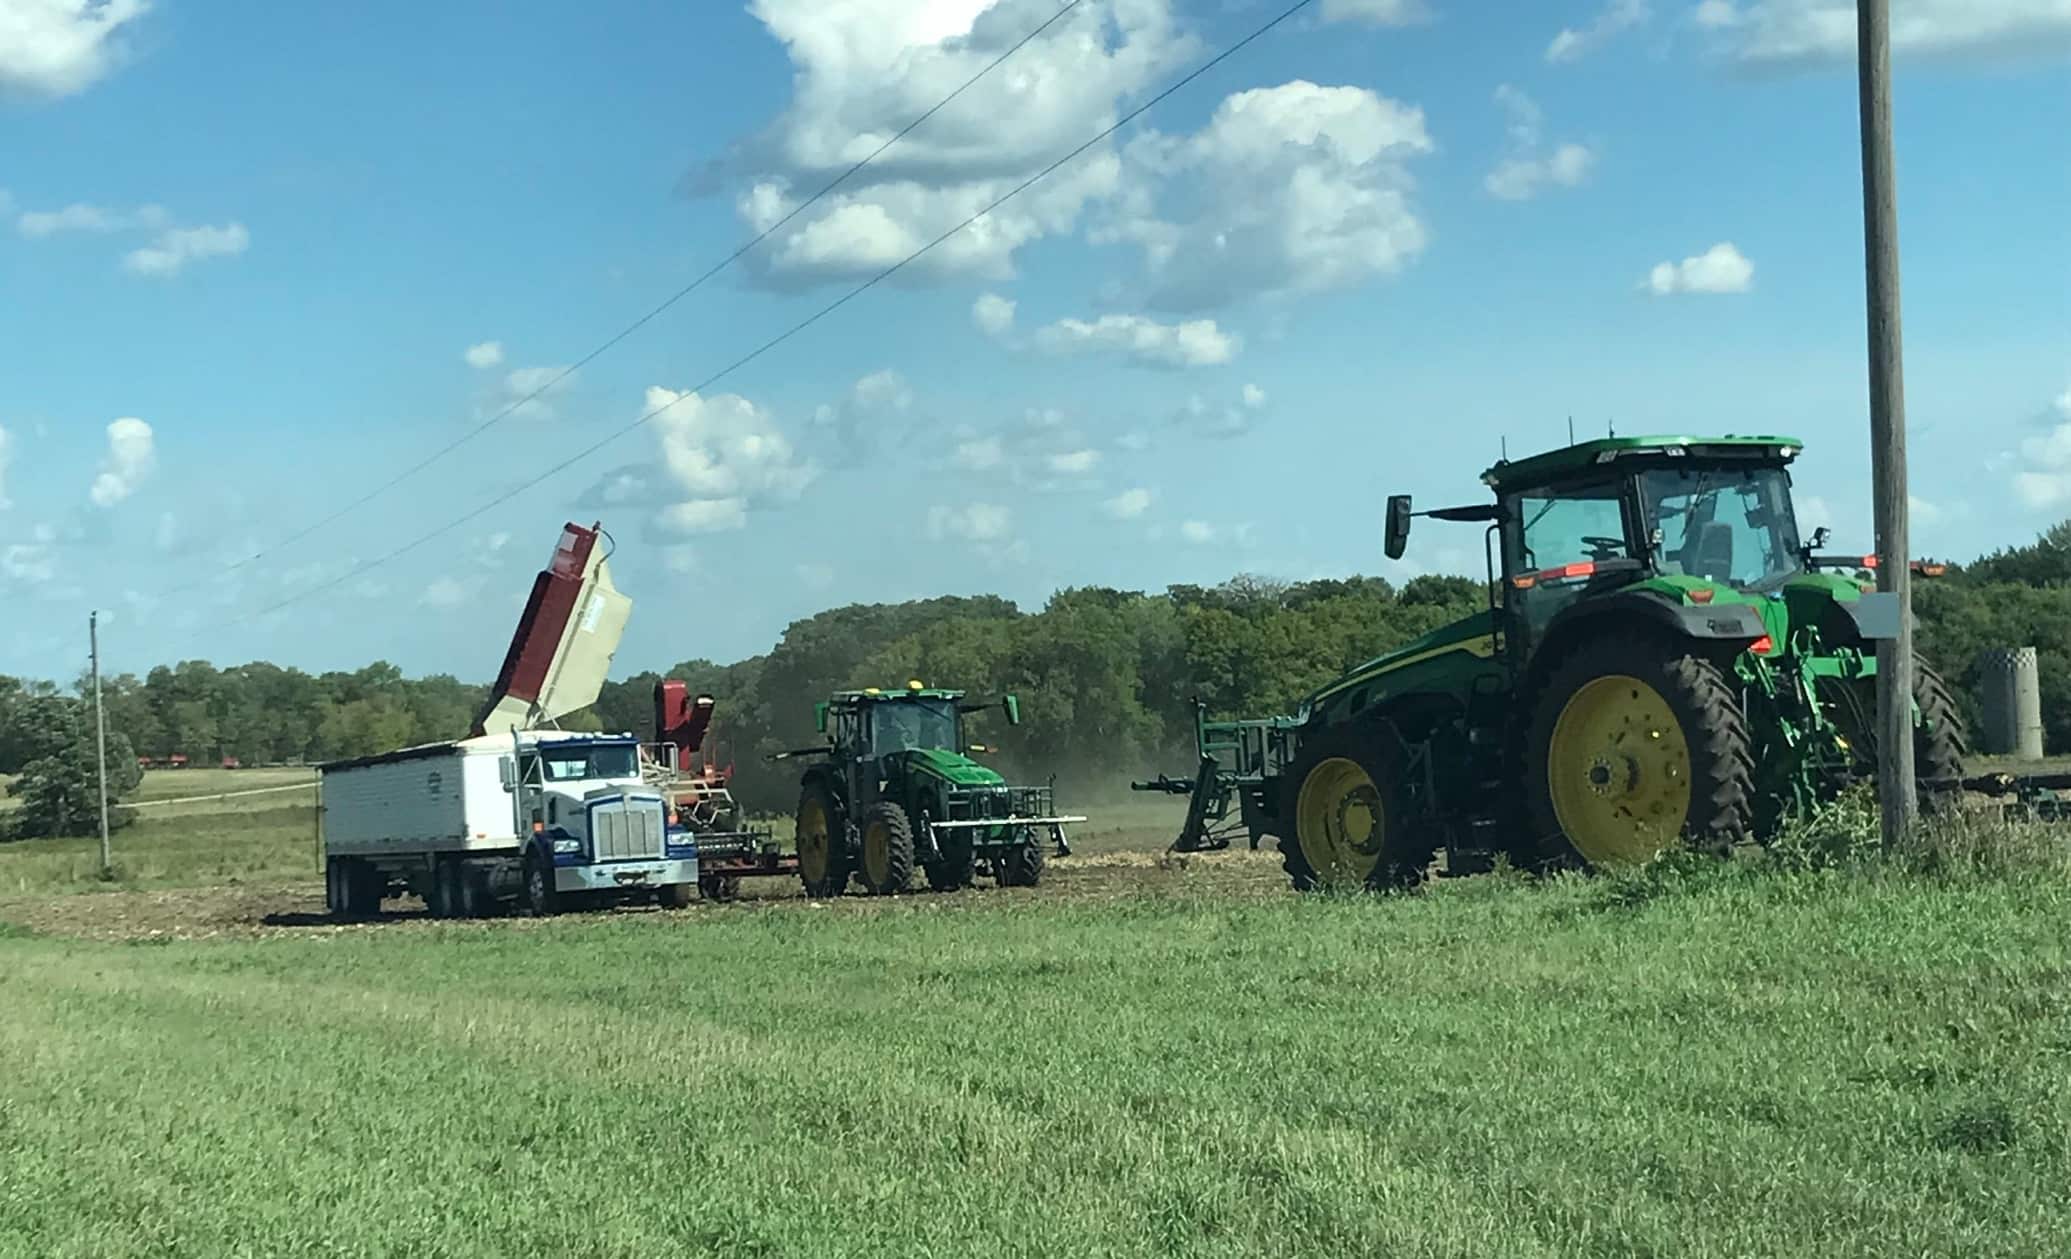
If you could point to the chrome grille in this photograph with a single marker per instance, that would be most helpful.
(627, 830)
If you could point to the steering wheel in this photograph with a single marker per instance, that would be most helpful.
(1604, 548)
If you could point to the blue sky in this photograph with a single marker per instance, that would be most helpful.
(256, 261)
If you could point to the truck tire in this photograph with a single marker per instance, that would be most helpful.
(887, 864)
(334, 887)
(471, 890)
(673, 896)
(823, 845)
(1022, 866)
(363, 886)
(1638, 745)
(719, 887)
(538, 897)
(442, 898)
(1347, 817)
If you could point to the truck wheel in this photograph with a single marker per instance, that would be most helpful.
(1347, 816)
(442, 898)
(673, 896)
(720, 887)
(470, 890)
(887, 865)
(1638, 745)
(823, 846)
(1022, 866)
(540, 898)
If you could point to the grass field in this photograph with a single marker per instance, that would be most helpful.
(1145, 1056)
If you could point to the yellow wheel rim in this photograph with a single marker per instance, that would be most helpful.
(877, 854)
(1339, 821)
(812, 840)
(1618, 769)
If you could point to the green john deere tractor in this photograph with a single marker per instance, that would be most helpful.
(898, 791)
(1664, 660)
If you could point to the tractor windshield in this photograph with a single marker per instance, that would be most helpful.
(901, 725)
(1729, 525)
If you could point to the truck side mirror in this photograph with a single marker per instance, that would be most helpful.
(1398, 525)
(507, 772)
(820, 716)
(1013, 707)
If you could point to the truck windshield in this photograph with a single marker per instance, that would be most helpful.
(1729, 525)
(604, 760)
(899, 725)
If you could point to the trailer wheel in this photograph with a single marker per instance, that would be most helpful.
(1022, 866)
(673, 896)
(337, 894)
(720, 887)
(539, 885)
(361, 885)
(442, 898)
(887, 865)
(823, 845)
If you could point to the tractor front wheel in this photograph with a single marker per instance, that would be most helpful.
(1022, 866)
(887, 865)
(1637, 745)
(823, 843)
(1346, 819)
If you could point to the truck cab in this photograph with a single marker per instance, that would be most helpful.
(595, 822)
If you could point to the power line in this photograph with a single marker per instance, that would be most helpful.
(692, 287)
(777, 340)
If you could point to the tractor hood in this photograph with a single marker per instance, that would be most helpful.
(951, 767)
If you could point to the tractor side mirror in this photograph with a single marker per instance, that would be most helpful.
(507, 773)
(820, 716)
(1398, 526)
(1013, 706)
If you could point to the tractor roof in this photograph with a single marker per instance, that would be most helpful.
(878, 695)
(1553, 465)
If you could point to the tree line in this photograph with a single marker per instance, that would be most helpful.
(1104, 676)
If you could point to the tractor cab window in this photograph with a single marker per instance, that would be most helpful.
(1729, 525)
(1568, 525)
(903, 725)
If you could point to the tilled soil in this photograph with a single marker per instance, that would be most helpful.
(286, 910)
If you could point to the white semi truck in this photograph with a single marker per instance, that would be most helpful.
(518, 810)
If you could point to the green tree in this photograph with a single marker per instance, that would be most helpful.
(59, 790)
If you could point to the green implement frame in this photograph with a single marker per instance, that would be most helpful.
(1238, 761)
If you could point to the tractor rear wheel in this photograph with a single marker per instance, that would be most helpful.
(823, 845)
(1346, 818)
(1638, 745)
(1940, 742)
(1022, 866)
(887, 865)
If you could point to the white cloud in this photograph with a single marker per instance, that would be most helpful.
(1198, 532)
(1254, 397)
(2044, 481)
(681, 559)
(447, 592)
(979, 454)
(1789, 33)
(176, 247)
(1617, 15)
(89, 218)
(1720, 269)
(167, 535)
(519, 385)
(484, 354)
(53, 48)
(1222, 419)
(132, 455)
(971, 522)
(864, 69)
(1128, 505)
(1525, 168)
(815, 576)
(1289, 189)
(1377, 12)
(1072, 462)
(722, 456)
(993, 314)
(1194, 343)
(33, 562)
(885, 388)
(6, 457)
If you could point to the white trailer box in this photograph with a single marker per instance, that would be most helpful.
(533, 815)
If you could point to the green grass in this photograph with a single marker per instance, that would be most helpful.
(1730, 1063)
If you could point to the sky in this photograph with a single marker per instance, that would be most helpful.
(259, 262)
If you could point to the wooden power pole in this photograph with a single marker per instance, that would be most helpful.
(100, 737)
(1895, 776)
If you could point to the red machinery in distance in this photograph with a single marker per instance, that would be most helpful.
(700, 800)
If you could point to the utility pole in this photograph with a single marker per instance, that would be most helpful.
(100, 738)
(1895, 785)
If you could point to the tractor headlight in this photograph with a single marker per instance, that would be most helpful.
(563, 847)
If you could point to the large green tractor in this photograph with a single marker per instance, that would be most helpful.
(898, 790)
(1664, 660)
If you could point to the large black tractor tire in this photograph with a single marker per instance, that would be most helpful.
(1941, 743)
(539, 896)
(1347, 814)
(719, 887)
(1637, 745)
(886, 867)
(1022, 866)
(823, 845)
(957, 866)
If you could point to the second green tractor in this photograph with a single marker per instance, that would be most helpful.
(898, 798)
